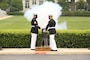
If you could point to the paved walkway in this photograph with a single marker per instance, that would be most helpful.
(60, 51)
(46, 57)
(1, 18)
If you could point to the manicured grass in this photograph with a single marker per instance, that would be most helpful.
(82, 23)
(19, 22)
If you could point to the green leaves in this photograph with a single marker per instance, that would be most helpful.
(4, 5)
(16, 6)
(51, 0)
(64, 4)
(12, 5)
(80, 4)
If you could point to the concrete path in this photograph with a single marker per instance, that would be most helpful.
(2, 18)
(60, 51)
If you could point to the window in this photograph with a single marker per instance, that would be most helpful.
(34, 2)
(27, 0)
(40, 2)
(27, 4)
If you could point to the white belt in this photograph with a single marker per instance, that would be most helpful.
(33, 26)
(51, 28)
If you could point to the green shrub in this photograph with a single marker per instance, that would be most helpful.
(64, 13)
(76, 13)
(73, 39)
(14, 39)
(15, 13)
(64, 39)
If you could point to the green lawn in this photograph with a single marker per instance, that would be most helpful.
(19, 22)
(76, 22)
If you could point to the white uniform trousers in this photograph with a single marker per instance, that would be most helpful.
(33, 40)
(52, 42)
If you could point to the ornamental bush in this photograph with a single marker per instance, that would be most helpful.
(64, 39)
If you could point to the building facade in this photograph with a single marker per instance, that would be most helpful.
(27, 4)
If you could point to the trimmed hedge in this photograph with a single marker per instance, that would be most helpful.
(64, 39)
(15, 13)
(64, 13)
(76, 13)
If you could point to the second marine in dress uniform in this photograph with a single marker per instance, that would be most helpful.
(52, 31)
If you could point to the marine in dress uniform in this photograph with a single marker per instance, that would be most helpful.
(52, 31)
(34, 32)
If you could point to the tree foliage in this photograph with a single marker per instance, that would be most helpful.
(16, 5)
(11, 5)
(3, 4)
(64, 4)
(80, 4)
(51, 0)
(88, 1)
(88, 6)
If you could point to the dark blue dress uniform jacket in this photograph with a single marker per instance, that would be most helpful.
(51, 23)
(35, 27)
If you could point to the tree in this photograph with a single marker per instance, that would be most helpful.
(88, 1)
(3, 4)
(88, 5)
(11, 5)
(64, 4)
(72, 5)
(10, 2)
(51, 0)
(80, 5)
(16, 5)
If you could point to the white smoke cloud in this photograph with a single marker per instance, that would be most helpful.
(43, 11)
(62, 26)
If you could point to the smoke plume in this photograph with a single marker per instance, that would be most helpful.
(43, 11)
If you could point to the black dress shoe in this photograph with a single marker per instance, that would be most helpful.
(53, 50)
(32, 49)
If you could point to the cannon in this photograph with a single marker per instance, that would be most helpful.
(44, 42)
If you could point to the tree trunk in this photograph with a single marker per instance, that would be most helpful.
(88, 5)
(10, 4)
(72, 5)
